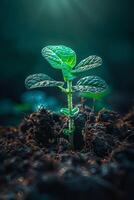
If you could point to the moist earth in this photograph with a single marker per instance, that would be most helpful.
(38, 163)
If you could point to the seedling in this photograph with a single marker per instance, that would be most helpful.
(64, 58)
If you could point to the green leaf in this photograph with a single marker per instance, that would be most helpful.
(41, 80)
(97, 96)
(91, 84)
(59, 57)
(87, 64)
(74, 111)
(67, 132)
(65, 111)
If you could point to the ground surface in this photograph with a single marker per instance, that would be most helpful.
(36, 162)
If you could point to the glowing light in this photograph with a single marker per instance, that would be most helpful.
(54, 7)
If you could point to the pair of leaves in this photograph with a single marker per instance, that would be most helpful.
(41, 80)
(91, 85)
(64, 58)
(74, 112)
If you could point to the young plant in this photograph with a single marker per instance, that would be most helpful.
(64, 58)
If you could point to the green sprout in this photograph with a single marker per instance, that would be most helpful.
(64, 58)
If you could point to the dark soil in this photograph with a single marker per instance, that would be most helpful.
(37, 162)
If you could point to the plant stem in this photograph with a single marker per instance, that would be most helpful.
(70, 107)
(83, 102)
(62, 89)
(93, 108)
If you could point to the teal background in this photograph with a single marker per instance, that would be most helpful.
(104, 28)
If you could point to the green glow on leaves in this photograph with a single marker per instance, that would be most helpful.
(64, 58)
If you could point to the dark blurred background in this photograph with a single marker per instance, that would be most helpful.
(104, 28)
